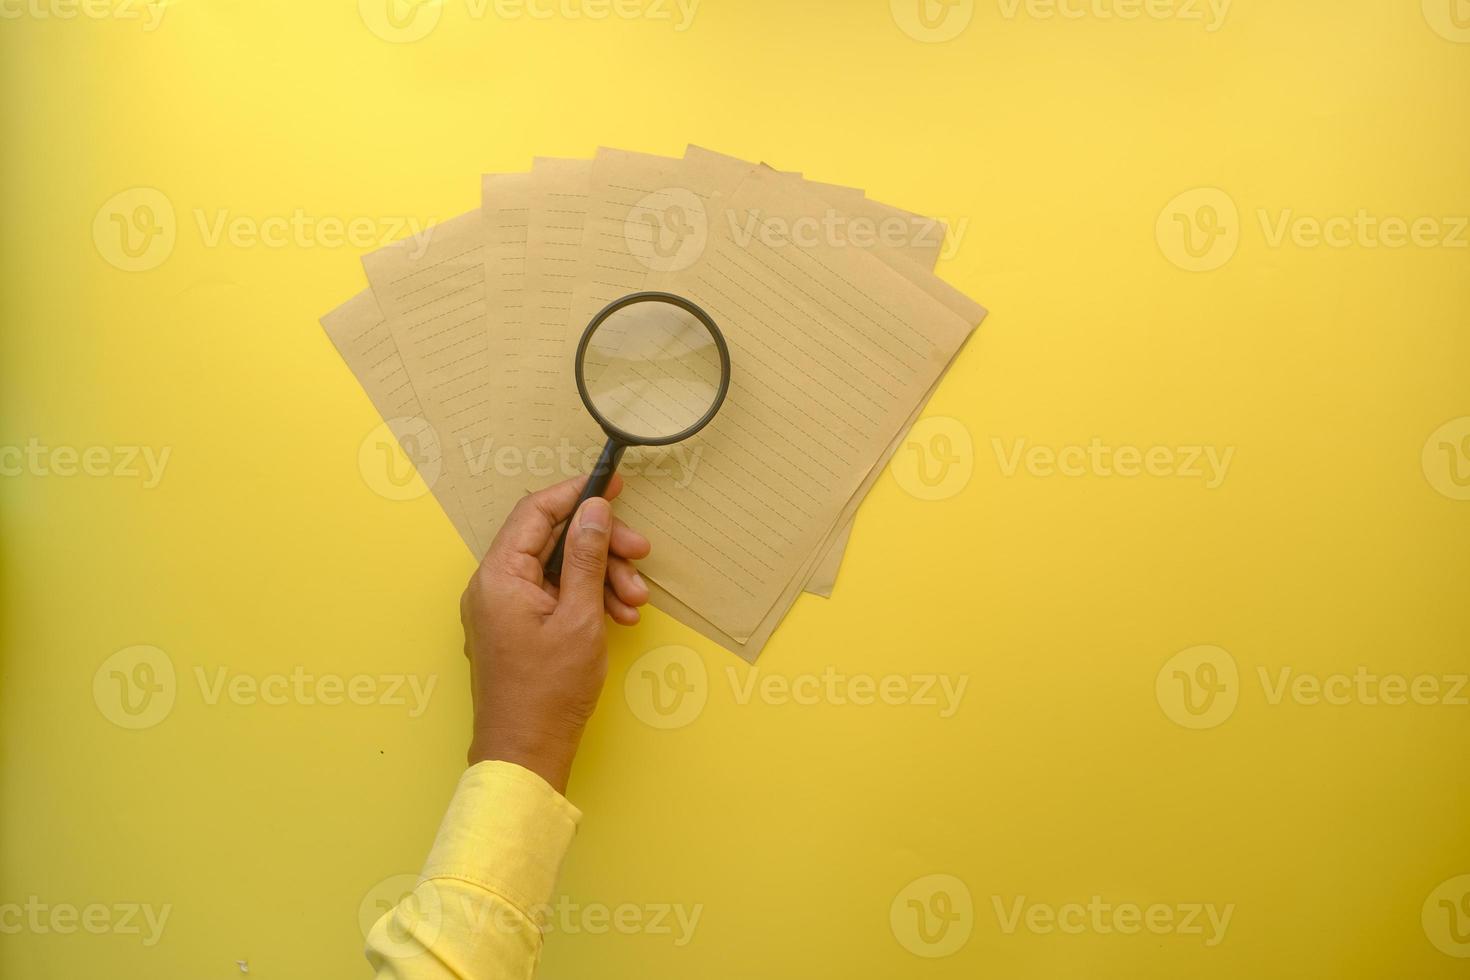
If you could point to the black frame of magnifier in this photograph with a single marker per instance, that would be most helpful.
(620, 439)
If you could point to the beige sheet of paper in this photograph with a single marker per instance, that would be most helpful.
(618, 181)
(434, 304)
(749, 650)
(361, 335)
(630, 194)
(553, 249)
(505, 208)
(834, 349)
(653, 184)
(924, 249)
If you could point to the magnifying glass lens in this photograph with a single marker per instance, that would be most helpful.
(651, 369)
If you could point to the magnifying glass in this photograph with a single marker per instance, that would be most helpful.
(652, 369)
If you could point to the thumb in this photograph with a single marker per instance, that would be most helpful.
(584, 565)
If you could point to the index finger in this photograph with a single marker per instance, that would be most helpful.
(534, 519)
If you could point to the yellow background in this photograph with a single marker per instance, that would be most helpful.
(1060, 142)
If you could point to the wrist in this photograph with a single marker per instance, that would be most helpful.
(547, 754)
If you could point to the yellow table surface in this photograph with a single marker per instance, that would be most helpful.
(1234, 687)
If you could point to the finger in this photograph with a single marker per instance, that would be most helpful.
(530, 527)
(628, 543)
(621, 613)
(584, 563)
(625, 581)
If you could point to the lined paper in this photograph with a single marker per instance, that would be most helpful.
(833, 348)
(553, 247)
(361, 335)
(835, 345)
(434, 305)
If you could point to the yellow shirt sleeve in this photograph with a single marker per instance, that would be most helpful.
(488, 879)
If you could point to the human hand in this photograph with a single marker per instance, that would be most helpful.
(537, 651)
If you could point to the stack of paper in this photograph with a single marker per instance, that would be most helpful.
(838, 331)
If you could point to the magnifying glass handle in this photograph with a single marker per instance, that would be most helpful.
(602, 474)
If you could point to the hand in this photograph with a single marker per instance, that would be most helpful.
(538, 652)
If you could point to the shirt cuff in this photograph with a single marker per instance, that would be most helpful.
(506, 830)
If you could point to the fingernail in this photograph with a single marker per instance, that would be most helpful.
(596, 515)
(638, 581)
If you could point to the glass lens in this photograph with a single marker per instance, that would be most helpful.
(651, 369)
